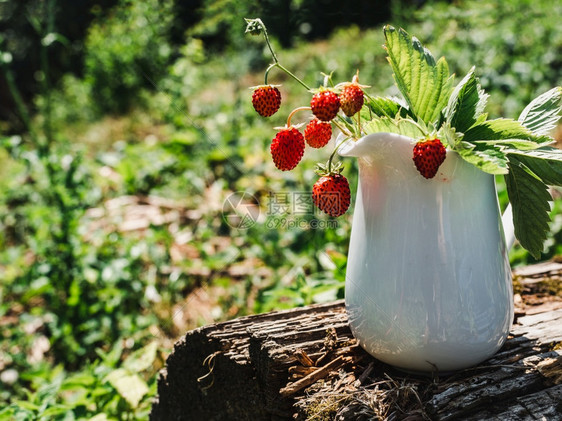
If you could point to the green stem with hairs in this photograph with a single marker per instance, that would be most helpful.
(343, 129)
(334, 153)
(276, 60)
(294, 112)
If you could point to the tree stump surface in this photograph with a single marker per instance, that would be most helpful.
(304, 364)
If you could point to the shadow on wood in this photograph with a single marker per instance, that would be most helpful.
(305, 364)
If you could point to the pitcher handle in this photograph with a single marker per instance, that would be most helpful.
(508, 228)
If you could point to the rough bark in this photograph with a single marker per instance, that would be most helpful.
(304, 363)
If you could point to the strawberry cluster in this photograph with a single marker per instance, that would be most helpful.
(331, 192)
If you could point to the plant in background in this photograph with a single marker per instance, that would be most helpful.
(66, 274)
(127, 51)
(111, 387)
(70, 290)
(441, 116)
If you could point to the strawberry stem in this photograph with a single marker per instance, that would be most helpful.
(342, 128)
(328, 81)
(275, 59)
(294, 112)
(264, 29)
(271, 66)
(333, 153)
(293, 76)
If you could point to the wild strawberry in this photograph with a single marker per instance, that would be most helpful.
(351, 98)
(428, 156)
(287, 148)
(331, 194)
(317, 133)
(266, 100)
(325, 104)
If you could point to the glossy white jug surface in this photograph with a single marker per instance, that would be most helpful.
(428, 282)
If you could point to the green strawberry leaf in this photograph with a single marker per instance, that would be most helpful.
(545, 162)
(425, 84)
(142, 359)
(466, 104)
(529, 199)
(542, 114)
(129, 385)
(524, 145)
(450, 137)
(486, 157)
(383, 107)
(400, 126)
(503, 129)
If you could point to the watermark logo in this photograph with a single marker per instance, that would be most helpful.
(241, 210)
(290, 222)
(281, 210)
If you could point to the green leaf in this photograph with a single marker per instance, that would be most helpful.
(524, 145)
(485, 157)
(27, 405)
(481, 119)
(100, 391)
(130, 386)
(542, 114)
(529, 199)
(382, 107)
(112, 357)
(545, 162)
(425, 84)
(99, 417)
(450, 137)
(502, 129)
(466, 103)
(339, 259)
(141, 359)
(79, 379)
(53, 411)
(403, 127)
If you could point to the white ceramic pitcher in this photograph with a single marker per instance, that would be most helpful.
(428, 282)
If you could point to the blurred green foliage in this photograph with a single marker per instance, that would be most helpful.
(516, 46)
(157, 125)
(90, 393)
(126, 51)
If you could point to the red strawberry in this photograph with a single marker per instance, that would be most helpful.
(351, 98)
(331, 194)
(287, 148)
(428, 156)
(266, 100)
(318, 133)
(325, 104)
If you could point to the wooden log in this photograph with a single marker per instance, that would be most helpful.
(305, 364)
